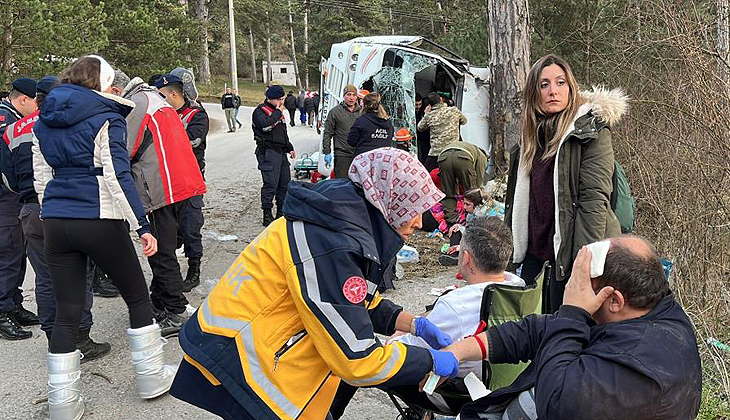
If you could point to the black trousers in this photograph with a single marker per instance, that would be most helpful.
(291, 116)
(431, 163)
(552, 290)
(12, 266)
(423, 143)
(344, 394)
(342, 166)
(166, 287)
(36, 251)
(190, 224)
(68, 243)
(274, 167)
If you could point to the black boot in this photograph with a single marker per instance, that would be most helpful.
(268, 218)
(90, 349)
(103, 286)
(170, 323)
(10, 329)
(25, 317)
(192, 278)
(279, 212)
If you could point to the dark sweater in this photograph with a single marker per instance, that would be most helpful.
(541, 212)
(370, 132)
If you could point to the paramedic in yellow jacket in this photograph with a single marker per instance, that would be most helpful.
(299, 308)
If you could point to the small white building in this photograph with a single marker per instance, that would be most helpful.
(282, 72)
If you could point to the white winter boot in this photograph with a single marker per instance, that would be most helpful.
(154, 378)
(64, 386)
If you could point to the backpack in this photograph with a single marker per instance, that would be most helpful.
(623, 203)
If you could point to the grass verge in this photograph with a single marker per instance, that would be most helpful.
(251, 93)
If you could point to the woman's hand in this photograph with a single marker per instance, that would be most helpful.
(454, 228)
(149, 244)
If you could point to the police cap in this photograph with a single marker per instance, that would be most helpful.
(45, 84)
(168, 80)
(26, 86)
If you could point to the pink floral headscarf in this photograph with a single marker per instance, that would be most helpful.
(395, 183)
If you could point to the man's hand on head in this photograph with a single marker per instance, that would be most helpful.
(579, 291)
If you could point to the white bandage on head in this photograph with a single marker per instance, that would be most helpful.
(106, 73)
(599, 250)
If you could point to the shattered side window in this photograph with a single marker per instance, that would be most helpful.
(396, 87)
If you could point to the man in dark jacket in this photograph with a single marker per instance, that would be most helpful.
(228, 103)
(20, 103)
(300, 104)
(290, 103)
(336, 127)
(310, 107)
(272, 146)
(620, 347)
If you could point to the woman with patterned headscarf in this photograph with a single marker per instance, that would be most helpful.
(299, 309)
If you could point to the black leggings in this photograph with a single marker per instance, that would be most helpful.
(68, 242)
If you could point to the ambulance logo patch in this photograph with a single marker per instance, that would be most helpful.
(355, 289)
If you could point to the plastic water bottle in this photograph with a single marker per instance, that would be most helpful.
(408, 254)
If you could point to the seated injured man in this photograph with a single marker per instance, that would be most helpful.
(486, 249)
(620, 346)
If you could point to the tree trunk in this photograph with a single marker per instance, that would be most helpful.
(306, 44)
(232, 40)
(269, 76)
(293, 49)
(392, 28)
(254, 77)
(509, 51)
(201, 13)
(6, 65)
(723, 43)
(443, 16)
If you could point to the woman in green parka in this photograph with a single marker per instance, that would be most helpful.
(560, 176)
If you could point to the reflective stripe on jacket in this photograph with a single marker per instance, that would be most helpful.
(163, 164)
(279, 327)
(17, 158)
(82, 135)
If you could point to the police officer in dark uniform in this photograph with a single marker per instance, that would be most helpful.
(272, 146)
(19, 103)
(197, 124)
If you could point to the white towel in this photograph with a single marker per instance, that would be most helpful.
(599, 250)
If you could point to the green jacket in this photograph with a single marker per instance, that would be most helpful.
(582, 180)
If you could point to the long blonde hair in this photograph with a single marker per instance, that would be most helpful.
(371, 103)
(533, 117)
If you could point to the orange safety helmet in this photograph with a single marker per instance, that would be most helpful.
(403, 134)
(362, 93)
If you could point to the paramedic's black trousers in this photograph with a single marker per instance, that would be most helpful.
(68, 243)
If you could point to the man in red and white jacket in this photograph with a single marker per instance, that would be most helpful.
(166, 174)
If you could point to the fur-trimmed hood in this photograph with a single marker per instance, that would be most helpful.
(609, 105)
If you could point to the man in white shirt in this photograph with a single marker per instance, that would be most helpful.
(486, 249)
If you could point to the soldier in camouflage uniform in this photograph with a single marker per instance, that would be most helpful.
(443, 121)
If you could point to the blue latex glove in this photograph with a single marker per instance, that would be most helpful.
(431, 333)
(444, 363)
(328, 160)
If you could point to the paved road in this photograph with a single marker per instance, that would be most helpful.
(232, 208)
